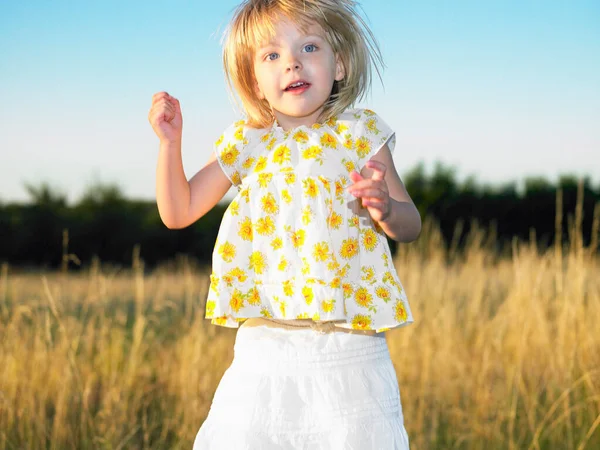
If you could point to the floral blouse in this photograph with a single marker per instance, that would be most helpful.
(294, 244)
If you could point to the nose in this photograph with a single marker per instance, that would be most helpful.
(293, 63)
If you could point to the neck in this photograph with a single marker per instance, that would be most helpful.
(289, 122)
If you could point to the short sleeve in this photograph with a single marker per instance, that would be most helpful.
(229, 150)
(370, 134)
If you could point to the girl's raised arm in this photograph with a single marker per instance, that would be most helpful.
(181, 203)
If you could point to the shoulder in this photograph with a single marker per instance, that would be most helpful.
(234, 146)
(240, 135)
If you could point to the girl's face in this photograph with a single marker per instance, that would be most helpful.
(295, 72)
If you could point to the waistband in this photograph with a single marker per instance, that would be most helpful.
(265, 348)
(293, 324)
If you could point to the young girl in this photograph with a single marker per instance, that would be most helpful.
(301, 263)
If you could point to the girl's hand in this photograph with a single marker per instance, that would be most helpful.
(373, 191)
(165, 117)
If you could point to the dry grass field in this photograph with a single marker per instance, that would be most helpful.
(504, 352)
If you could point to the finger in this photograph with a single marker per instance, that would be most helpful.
(370, 193)
(369, 183)
(355, 176)
(160, 95)
(380, 206)
(379, 169)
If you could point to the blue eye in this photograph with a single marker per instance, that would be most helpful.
(272, 56)
(310, 48)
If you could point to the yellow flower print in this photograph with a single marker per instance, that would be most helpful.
(328, 305)
(282, 155)
(348, 142)
(389, 278)
(325, 182)
(383, 293)
(214, 282)
(301, 137)
(315, 152)
(303, 315)
(235, 178)
(372, 126)
(363, 147)
(353, 221)
(316, 126)
(239, 133)
(237, 301)
(305, 267)
(264, 179)
(335, 283)
(368, 273)
(306, 215)
(361, 322)
(238, 273)
(240, 123)
(269, 204)
(227, 251)
(321, 251)
(285, 195)
(340, 128)
(234, 208)
(369, 239)
(277, 243)
(245, 231)
(265, 137)
(290, 178)
(363, 298)
(334, 220)
(283, 263)
(271, 143)
(350, 166)
(348, 291)
(331, 122)
(368, 112)
(333, 264)
(220, 140)
(253, 297)
(282, 308)
(210, 308)
(288, 287)
(266, 313)
(400, 312)
(261, 164)
(265, 226)
(316, 317)
(228, 279)
(327, 140)
(308, 294)
(349, 248)
(245, 194)
(220, 320)
(310, 187)
(229, 155)
(297, 238)
(343, 272)
(258, 262)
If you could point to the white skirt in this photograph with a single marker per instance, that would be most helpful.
(302, 389)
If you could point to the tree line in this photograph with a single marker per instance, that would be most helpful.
(104, 224)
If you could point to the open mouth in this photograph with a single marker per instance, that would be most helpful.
(297, 85)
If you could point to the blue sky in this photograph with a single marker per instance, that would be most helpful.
(500, 89)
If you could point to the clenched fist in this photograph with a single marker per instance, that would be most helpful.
(165, 117)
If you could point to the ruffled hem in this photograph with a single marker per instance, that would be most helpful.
(369, 435)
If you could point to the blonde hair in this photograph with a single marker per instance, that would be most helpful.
(349, 36)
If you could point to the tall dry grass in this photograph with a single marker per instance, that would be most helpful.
(504, 353)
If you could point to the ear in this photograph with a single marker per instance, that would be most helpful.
(340, 71)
